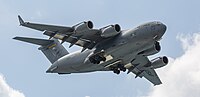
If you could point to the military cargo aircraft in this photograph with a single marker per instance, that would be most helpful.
(106, 49)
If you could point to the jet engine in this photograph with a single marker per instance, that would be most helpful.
(159, 62)
(110, 31)
(153, 50)
(83, 26)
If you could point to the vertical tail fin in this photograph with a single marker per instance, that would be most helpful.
(52, 49)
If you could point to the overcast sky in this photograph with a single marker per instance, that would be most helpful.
(22, 68)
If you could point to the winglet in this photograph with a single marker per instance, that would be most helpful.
(21, 21)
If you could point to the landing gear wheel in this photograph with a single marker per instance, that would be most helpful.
(98, 62)
(116, 71)
(97, 59)
(123, 69)
(103, 59)
(92, 60)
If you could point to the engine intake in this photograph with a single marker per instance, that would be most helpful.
(159, 62)
(83, 26)
(110, 31)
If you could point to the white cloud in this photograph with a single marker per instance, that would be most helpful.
(181, 77)
(7, 91)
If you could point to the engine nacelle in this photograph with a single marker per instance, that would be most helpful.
(83, 26)
(159, 62)
(153, 50)
(110, 31)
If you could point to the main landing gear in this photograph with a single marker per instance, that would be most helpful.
(97, 59)
(119, 68)
(115, 68)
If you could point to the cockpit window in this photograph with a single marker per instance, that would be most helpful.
(147, 25)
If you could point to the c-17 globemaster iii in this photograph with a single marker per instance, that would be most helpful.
(105, 49)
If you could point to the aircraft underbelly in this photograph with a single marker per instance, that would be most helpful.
(76, 64)
(129, 48)
(81, 68)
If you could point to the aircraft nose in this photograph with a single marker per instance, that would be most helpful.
(164, 27)
(160, 30)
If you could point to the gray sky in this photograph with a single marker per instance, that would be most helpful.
(23, 66)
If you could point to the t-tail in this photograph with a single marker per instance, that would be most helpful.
(52, 49)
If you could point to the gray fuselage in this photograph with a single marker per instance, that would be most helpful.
(124, 46)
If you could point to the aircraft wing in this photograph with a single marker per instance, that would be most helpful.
(150, 74)
(142, 70)
(43, 27)
(86, 39)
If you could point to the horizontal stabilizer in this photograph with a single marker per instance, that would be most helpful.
(42, 42)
